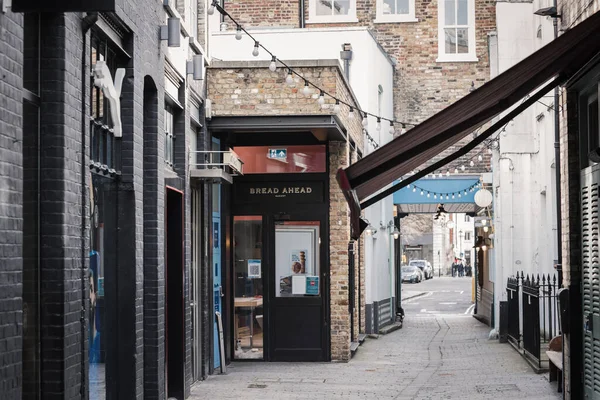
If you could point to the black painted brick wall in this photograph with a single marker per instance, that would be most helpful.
(11, 199)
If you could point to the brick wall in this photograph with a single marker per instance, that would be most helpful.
(251, 89)
(11, 210)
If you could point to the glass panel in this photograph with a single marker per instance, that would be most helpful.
(403, 7)
(297, 259)
(449, 12)
(341, 7)
(462, 14)
(283, 159)
(462, 38)
(450, 34)
(389, 6)
(248, 287)
(324, 7)
(593, 127)
(31, 51)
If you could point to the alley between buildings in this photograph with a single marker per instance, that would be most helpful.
(444, 354)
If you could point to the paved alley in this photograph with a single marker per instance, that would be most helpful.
(435, 356)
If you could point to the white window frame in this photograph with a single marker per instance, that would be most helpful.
(169, 128)
(192, 17)
(313, 18)
(471, 56)
(382, 18)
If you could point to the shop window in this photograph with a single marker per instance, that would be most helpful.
(456, 30)
(248, 286)
(332, 11)
(105, 148)
(283, 159)
(589, 125)
(395, 11)
(297, 265)
(169, 136)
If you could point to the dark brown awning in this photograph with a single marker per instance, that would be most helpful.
(552, 64)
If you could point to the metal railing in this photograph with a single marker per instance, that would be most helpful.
(532, 302)
(225, 160)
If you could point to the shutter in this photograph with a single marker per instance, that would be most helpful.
(590, 178)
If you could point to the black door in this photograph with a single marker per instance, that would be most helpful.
(298, 321)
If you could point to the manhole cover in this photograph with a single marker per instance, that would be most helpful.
(491, 389)
(257, 386)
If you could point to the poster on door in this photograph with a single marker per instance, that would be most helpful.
(298, 261)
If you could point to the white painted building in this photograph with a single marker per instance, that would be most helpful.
(523, 165)
(370, 73)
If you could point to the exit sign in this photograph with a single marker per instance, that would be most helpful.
(277, 154)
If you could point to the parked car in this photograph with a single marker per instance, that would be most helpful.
(411, 274)
(424, 266)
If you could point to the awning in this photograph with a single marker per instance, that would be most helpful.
(549, 66)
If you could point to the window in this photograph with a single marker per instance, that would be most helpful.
(467, 218)
(192, 17)
(456, 30)
(283, 159)
(467, 235)
(589, 124)
(169, 136)
(105, 154)
(332, 11)
(395, 11)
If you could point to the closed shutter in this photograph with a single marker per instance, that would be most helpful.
(590, 178)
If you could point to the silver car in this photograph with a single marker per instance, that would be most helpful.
(424, 266)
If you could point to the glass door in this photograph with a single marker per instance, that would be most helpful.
(248, 319)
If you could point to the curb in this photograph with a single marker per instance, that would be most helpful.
(414, 296)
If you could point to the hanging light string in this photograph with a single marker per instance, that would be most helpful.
(447, 195)
(307, 83)
(370, 139)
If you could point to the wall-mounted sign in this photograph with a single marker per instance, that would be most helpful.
(112, 90)
(63, 5)
(259, 192)
(254, 269)
(277, 154)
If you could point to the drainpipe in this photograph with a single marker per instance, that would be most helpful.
(88, 21)
(301, 22)
(557, 167)
(346, 56)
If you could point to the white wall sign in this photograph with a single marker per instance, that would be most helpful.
(112, 91)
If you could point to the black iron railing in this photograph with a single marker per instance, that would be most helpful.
(532, 302)
(514, 329)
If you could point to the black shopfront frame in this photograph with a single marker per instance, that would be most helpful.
(274, 210)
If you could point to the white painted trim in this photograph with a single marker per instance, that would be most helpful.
(313, 18)
(392, 18)
(471, 56)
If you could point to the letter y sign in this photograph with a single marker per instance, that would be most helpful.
(112, 91)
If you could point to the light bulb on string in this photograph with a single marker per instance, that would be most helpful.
(273, 65)
(490, 151)
(238, 33)
(336, 107)
(392, 130)
(211, 9)
(459, 195)
(402, 131)
(435, 196)
(321, 100)
(428, 195)
(448, 173)
(378, 126)
(447, 197)
(466, 194)
(440, 175)
(351, 113)
(456, 170)
(289, 79)
(365, 121)
(306, 89)
(452, 195)
(462, 167)
(414, 189)
(421, 193)
(255, 51)
(471, 163)
(480, 158)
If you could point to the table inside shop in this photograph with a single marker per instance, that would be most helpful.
(247, 302)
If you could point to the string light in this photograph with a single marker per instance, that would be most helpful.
(462, 167)
(456, 170)
(392, 130)
(414, 189)
(428, 195)
(289, 79)
(448, 173)
(306, 89)
(351, 113)
(422, 191)
(490, 151)
(321, 100)
(378, 126)
(480, 158)
(365, 121)
(255, 51)
(273, 65)
(239, 29)
(336, 107)
(472, 163)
